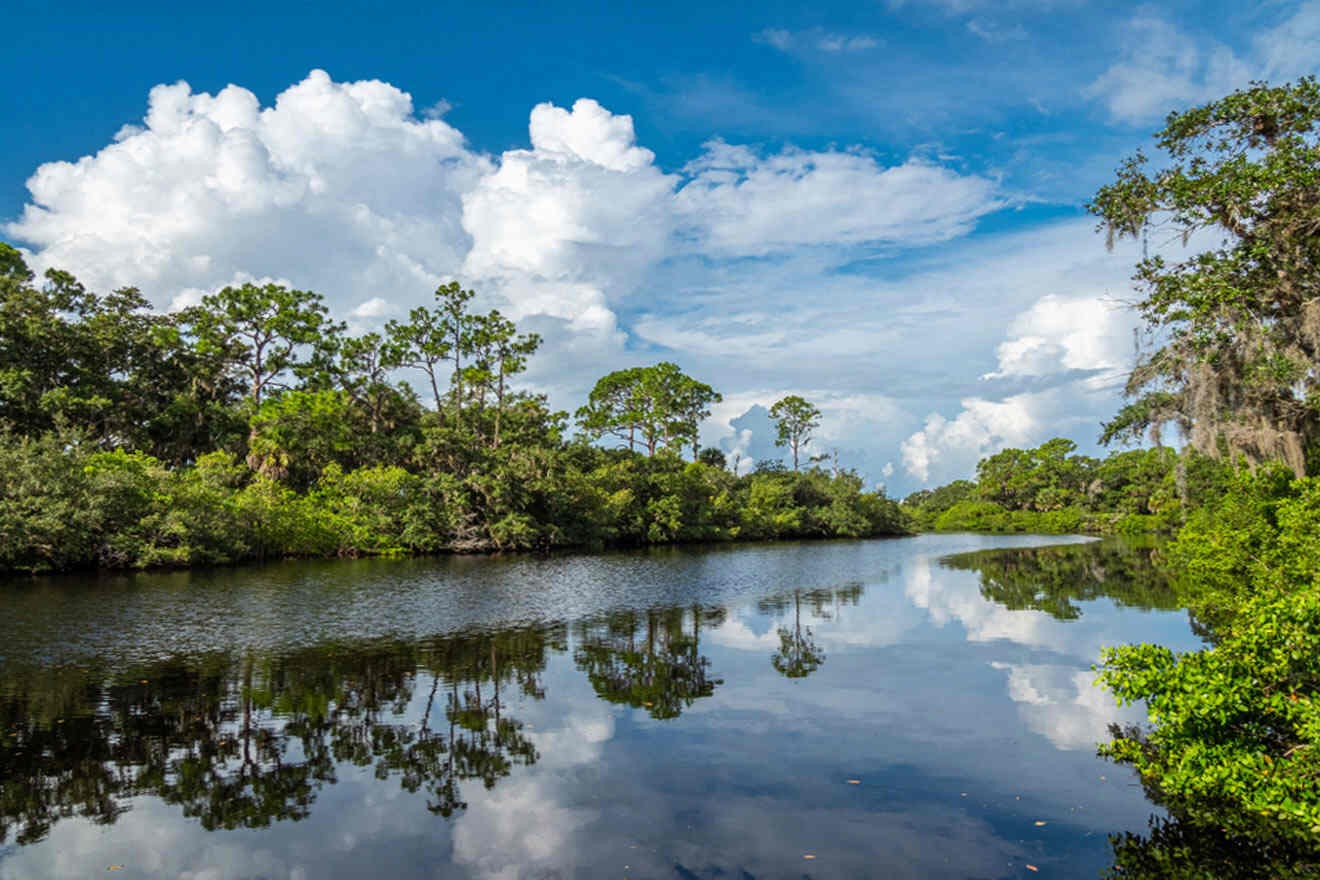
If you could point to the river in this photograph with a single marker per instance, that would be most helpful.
(920, 707)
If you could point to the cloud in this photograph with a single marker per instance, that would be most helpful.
(816, 40)
(839, 43)
(1061, 333)
(578, 218)
(740, 203)
(1068, 354)
(983, 427)
(337, 186)
(1163, 66)
(777, 37)
(993, 33)
(372, 308)
(1288, 49)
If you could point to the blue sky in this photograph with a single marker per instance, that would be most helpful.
(878, 205)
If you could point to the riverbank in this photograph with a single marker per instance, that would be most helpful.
(65, 507)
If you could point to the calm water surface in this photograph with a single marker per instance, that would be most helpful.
(899, 708)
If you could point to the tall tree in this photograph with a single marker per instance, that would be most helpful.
(692, 404)
(613, 407)
(795, 419)
(434, 336)
(263, 333)
(658, 406)
(456, 325)
(498, 353)
(420, 344)
(1238, 364)
(363, 368)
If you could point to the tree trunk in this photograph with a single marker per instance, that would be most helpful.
(499, 404)
(435, 387)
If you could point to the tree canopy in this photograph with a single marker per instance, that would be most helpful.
(253, 426)
(1237, 361)
(656, 407)
(795, 420)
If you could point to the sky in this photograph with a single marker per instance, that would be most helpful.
(879, 205)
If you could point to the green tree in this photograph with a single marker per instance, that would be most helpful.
(692, 404)
(713, 458)
(421, 344)
(455, 325)
(1238, 365)
(498, 353)
(363, 366)
(657, 406)
(263, 333)
(297, 433)
(795, 420)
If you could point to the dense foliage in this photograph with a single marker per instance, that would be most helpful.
(1231, 750)
(251, 427)
(1234, 749)
(1237, 366)
(1050, 490)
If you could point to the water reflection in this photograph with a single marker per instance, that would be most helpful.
(241, 741)
(1054, 579)
(799, 655)
(646, 660)
(647, 733)
(1172, 849)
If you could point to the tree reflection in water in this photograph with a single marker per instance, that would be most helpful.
(241, 741)
(799, 655)
(1053, 579)
(244, 740)
(646, 659)
(1185, 847)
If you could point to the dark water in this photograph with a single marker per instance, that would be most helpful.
(850, 709)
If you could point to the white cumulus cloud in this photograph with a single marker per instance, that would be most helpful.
(338, 186)
(1068, 333)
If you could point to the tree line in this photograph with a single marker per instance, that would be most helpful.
(1050, 489)
(253, 426)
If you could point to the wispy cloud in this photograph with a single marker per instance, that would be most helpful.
(993, 33)
(817, 40)
(1162, 66)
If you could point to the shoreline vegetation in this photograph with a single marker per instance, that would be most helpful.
(1231, 747)
(251, 427)
(1048, 490)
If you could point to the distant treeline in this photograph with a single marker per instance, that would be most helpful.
(1050, 490)
(251, 426)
